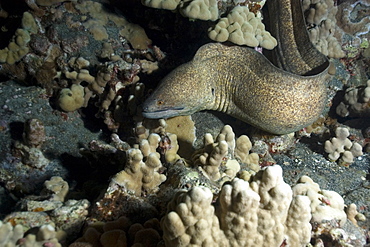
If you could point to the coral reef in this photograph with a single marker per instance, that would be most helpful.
(71, 127)
(51, 2)
(58, 187)
(242, 27)
(57, 57)
(322, 26)
(263, 212)
(353, 215)
(356, 102)
(121, 232)
(71, 99)
(14, 236)
(325, 205)
(18, 48)
(191, 220)
(341, 148)
(219, 159)
(50, 207)
(202, 10)
(29, 150)
(138, 175)
(352, 22)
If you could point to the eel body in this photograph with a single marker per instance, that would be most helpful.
(278, 96)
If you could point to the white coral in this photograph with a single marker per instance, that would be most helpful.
(242, 27)
(325, 205)
(340, 147)
(224, 153)
(321, 15)
(264, 212)
(191, 220)
(200, 9)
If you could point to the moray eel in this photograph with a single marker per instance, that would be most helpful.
(280, 95)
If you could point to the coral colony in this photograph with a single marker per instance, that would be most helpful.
(80, 165)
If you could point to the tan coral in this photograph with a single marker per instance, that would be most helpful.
(120, 232)
(346, 24)
(150, 145)
(249, 211)
(243, 152)
(193, 9)
(147, 66)
(165, 144)
(260, 206)
(136, 36)
(78, 63)
(260, 213)
(190, 220)
(219, 158)
(322, 37)
(210, 161)
(200, 9)
(14, 235)
(319, 10)
(18, 47)
(353, 215)
(242, 27)
(29, 23)
(184, 128)
(97, 29)
(71, 99)
(356, 102)
(340, 147)
(152, 177)
(171, 155)
(322, 21)
(325, 205)
(96, 85)
(161, 4)
(140, 177)
(58, 186)
(107, 51)
(99, 19)
(9, 235)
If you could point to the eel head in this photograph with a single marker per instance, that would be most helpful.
(184, 91)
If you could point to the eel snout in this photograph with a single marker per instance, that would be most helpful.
(154, 109)
(183, 91)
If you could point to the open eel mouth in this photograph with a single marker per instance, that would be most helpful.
(164, 113)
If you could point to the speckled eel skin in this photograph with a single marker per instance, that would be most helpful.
(280, 95)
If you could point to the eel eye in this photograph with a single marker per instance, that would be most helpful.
(160, 102)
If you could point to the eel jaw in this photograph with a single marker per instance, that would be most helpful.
(164, 113)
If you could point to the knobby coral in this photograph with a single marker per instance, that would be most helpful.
(15, 236)
(322, 26)
(262, 212)
(356, 102)
(242, 27)
(341, 148)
